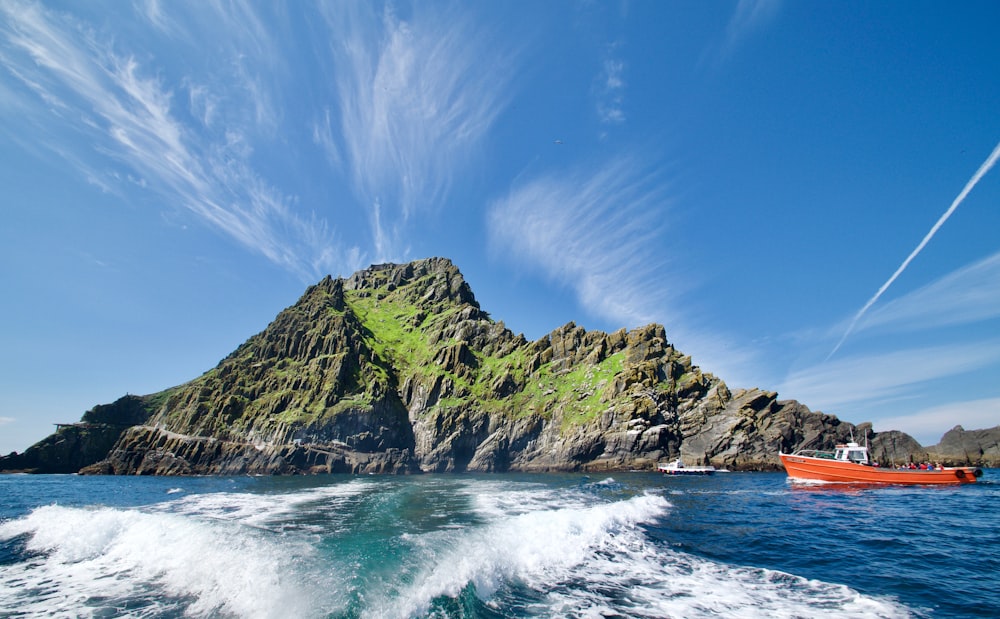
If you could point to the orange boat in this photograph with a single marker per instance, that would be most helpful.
(850, 463)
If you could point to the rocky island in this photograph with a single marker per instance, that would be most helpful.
(397, 369)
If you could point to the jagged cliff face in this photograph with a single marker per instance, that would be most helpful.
(981, 447)
(74, 446)
(397, 369)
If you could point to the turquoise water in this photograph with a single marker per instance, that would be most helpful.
(620, 545)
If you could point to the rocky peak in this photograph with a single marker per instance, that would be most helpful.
(979, 447)
(397, 369)
(434, 279)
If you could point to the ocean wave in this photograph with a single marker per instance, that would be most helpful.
(394, 548)
(582, 559)
(114, 562)
(273, 511)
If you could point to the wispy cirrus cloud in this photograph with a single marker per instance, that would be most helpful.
(416, 96)
(596, 231)
(969, 294)
(611, 89)
(749, 16)
(928, 425)
(152, 11)
(969, 186)
(124, 110)
(602, 231)
(884, 376)
(323, 135)
(746, 20)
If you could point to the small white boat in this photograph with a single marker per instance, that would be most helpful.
(677, 468)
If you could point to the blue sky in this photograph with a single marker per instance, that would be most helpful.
(801, 192)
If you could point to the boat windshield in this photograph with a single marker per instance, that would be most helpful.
(851, 454)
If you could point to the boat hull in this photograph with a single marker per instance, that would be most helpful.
(677, 468)
(822, 469)
(688, 471)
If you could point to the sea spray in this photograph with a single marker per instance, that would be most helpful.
(535, 547)
(101, 561)
(465, 546)
(582, 559)
(270, 511)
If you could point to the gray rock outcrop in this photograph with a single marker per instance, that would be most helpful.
(396, 369)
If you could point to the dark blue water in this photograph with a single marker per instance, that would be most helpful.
(623, 545)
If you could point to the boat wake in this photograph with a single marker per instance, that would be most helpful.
(111, 562)
(584, 560)
(517, 549)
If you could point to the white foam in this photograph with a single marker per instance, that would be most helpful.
(585, 560)
(578, 551)
(533, 546)
(269, 511)
(89, 561)
(500, 500)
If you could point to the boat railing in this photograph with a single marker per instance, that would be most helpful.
(815, 453)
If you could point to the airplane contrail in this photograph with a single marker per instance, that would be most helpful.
(983, 169)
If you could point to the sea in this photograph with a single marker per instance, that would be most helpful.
(632, 544)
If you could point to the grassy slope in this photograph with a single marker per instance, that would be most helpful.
(403, 334)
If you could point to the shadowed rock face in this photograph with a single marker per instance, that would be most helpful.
(978, 447)
(397, 369)
(74, 446)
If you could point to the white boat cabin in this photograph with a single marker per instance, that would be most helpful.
(851, 452)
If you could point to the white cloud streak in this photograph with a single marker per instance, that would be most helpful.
(748, 18)
(967, 295)
(152, 11)
(416, 96)
(323, 136)
(930, 424)
(983, 169)
(596, 231)
(130, 118)
(750, 15)
(867, 379)
(602, 233)
(611, 88)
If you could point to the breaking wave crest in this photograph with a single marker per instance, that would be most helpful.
(586, 560)
(351, 549)
(111, 562)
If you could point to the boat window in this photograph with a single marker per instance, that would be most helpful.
(857, 456)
